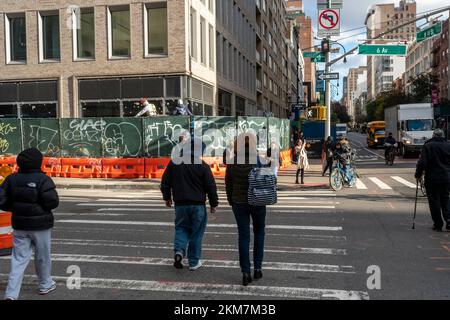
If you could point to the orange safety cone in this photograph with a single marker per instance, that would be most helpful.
(6, 237)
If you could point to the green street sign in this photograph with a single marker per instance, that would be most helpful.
(429, 32)
(382, 50)
(315, 56)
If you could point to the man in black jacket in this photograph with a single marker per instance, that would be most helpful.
(31, 196)
(435, 161)
(187, 184)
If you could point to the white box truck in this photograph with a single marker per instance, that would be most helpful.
(411, 125)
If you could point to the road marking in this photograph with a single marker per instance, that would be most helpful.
(290, 198)
(280, 266)
(215, 234)
(143, 207)
(208, 289)
(360, 185)
(211, 225)
(62, 214)
(380, 184)
(405, 182)
(206, 247)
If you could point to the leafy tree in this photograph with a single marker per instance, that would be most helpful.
(339, 113)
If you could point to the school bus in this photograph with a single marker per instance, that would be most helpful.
(375, 134)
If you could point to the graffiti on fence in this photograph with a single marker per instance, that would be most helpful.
(161, 134)
(44, 139)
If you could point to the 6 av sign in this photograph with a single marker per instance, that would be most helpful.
(382, 50)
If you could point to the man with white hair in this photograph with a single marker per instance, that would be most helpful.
(435, 162)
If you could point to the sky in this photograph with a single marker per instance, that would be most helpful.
(353, 15)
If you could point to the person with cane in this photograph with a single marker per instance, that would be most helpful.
(435, 161)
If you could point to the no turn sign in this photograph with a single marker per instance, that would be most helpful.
(329, 23)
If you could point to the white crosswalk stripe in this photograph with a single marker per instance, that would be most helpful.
(360, 185)
(380, 183)
(405, 182)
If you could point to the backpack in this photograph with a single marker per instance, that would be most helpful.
(262, 187)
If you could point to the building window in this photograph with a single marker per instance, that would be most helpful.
(119, 32)
(193, 27)
(156, 29)
(203, 40)
(49, 36)
(84, 34)
(16, 40)
(212, 52)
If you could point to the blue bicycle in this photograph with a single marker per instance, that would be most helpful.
(342, 176)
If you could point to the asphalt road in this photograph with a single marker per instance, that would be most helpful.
(319, 245)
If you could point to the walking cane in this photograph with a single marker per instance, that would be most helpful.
(415, 204)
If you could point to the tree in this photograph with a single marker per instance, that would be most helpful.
(339, 113)
(422, 86)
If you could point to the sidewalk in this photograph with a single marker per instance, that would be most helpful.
(286, 180)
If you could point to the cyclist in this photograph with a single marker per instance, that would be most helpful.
(343, 154)
(390, 143)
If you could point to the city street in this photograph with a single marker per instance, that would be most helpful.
(319, 244)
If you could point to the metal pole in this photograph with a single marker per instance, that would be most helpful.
(328, 97)
(328, 88)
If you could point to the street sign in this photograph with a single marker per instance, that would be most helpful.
(383, 49)
(316, 57)
(329, 22)
(320, 84)
(429, 32)
(329, 76)
(325, 4)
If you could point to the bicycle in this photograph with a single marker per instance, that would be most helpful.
(390, 154)
(340, 177)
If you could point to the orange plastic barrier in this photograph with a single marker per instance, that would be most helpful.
(6, 237)
(52, 166)
(127, 168)
(81, 168)
(10, 162)
(155, 167)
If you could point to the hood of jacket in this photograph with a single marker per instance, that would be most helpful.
(30, 160)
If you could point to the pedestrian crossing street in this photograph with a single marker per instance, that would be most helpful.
(122, 243)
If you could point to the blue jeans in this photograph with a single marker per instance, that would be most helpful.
(190, 225)
(242, 213)
(24, 242)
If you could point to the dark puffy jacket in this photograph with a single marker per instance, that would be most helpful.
(435, 161)
(236, 182)
(30, 195)
(189, 184)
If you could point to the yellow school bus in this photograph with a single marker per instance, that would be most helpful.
(375, 134)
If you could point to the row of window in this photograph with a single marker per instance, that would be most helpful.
(204, 39)
(234, 65)
(83, 25)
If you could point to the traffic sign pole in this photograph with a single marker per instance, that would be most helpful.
(328, 91)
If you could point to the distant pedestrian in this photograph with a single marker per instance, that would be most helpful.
(31, 196)
(149, 109)
(187, 184)
(435, 161)
(237, 185)
(302, 161)
(328, 151)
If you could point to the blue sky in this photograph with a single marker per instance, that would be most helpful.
(352, 16)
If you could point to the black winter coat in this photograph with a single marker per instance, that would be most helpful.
(435, 161)
(236, 182)
(189, 183)
(30, 196)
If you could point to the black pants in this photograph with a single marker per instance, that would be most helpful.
(300, 172)
(329, 166)
(438, 199)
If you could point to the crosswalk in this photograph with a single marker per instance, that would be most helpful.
(386, 183)
(122, 241)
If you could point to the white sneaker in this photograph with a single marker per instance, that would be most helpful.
(199, 264)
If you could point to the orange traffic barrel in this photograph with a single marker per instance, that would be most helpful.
(6, 237)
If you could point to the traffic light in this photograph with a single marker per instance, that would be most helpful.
(325, 45)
